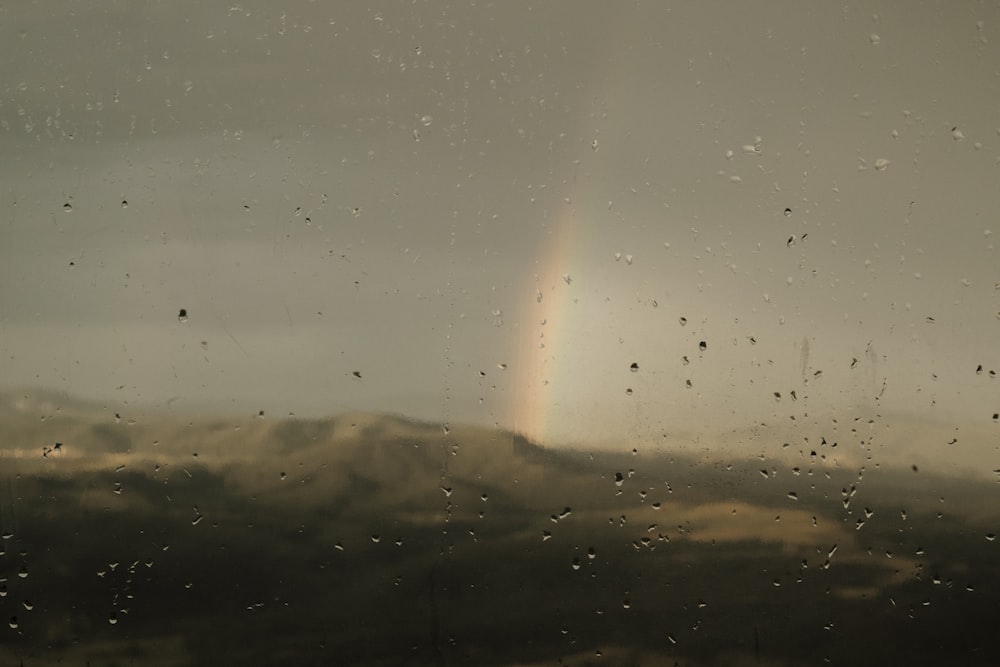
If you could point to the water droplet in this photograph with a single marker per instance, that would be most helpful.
(874, 39)
(991, 536)
(702, 346)
(426, 120)
(683, 321)
(281, 475)
(576, 563)
(182, 315)
(881, 164)
(956, 134)
(634, 367)
(23, 572)
(113, 618)
(788, 212)
(67, 207)
(12, 622)
(793, 495)
(27, 604)
(628, 392)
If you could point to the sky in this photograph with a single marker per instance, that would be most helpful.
(487, 213)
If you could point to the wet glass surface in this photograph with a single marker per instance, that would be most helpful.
(500, 334)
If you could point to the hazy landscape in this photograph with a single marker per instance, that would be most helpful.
(372, 539)
(499, 333)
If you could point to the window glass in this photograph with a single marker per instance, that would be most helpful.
(499, 333)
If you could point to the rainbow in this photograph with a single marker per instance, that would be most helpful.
(546, 335)
(553, 394)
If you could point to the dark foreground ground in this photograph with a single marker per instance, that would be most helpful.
(378, 541)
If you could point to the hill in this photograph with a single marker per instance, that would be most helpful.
(374, 539)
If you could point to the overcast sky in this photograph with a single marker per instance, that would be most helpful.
(490, 211)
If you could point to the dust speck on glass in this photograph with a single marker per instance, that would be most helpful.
(499, 333)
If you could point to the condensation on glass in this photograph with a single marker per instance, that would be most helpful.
(500, 333)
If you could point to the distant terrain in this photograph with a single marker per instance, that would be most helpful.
(370, 539)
